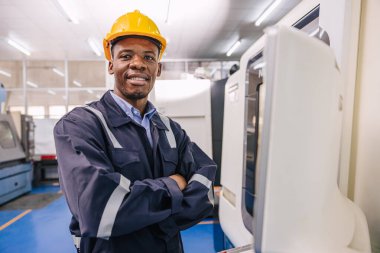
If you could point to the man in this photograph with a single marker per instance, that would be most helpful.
(131, 177)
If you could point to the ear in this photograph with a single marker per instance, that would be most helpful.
(159, 69)
(110, 68)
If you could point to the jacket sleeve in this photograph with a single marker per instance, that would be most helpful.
(104, 202)
(199, 171)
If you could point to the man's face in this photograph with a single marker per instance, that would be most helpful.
(135, 66)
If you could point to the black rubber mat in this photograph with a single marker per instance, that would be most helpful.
(31, 201)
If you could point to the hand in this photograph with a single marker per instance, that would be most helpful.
(180, 180)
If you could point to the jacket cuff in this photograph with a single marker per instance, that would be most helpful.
(175, 192)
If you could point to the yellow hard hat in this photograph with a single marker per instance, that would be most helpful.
(133, 23)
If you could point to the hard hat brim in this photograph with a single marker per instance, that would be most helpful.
(108, 41)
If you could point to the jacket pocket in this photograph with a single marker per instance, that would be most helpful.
(124, 159)
(170, 161)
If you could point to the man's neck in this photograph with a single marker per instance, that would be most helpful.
(139, 104)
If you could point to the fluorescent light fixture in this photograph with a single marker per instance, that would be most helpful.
(267, 12)
(233, 48)
(32, 84)
(77, 83)
(18, 47)
(51, 92)
(64, 8)
(94, 46)
(5, 73)
(167, 13)
(90, 91)
(58, 72)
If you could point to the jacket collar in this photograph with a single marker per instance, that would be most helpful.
(115, 114)
(117, 117)
(156, 120)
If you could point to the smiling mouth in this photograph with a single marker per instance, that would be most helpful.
(137, 78)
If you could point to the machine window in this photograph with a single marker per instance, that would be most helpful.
(6, 137)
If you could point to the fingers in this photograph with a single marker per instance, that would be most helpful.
(180, 180)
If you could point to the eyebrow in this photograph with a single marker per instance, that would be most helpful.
(131, 51)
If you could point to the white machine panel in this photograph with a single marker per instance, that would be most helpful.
(44, 138)
(230, 211)
(188, 102)
(299, 207)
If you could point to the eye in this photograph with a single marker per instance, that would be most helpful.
(149, 58)
(126, 56)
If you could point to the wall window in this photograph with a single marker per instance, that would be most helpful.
(11, 74)
(51, 88)
(87, 74)
(56, 111)
(38, 112)
(45, 74)
(20, 109)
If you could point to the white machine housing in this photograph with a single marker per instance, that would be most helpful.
(15, 172)
(230, 206)
(230, 200)
(188, 102)
(298, 205)
(354, 237)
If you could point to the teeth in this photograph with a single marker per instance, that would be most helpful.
(138, 78)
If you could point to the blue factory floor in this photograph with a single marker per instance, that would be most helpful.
(45, 230)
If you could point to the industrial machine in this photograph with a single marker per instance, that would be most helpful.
(280, 166)
(45, 160)
(243, 95)
(27, 136)
(15, 169)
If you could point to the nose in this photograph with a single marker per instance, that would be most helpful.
(137, 62)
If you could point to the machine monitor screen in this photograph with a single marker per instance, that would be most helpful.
(7, 139)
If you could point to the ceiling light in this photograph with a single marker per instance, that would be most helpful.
(51, 92)
(64, 8)
(18, 47)
(5, 73)
(268, 11)
(32, 84)
(233, 48)
(90, 91)
(94, 46)
(167, 13)
(58, 72)
(77, 83)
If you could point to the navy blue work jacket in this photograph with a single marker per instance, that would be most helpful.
(117, 185)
